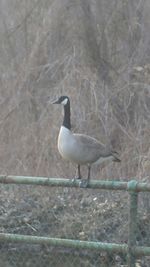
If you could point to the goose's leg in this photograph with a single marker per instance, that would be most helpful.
(89, 173)
(84, 183)
(78, 174)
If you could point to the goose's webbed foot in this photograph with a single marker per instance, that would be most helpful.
(75, 179)
(84, 183)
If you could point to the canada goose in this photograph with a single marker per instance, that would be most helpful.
(79, 148)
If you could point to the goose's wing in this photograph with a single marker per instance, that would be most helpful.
(88, 141)
(90, 147)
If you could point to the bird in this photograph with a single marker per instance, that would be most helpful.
(79, 148)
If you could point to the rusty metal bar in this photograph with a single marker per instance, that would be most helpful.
(133, 187)
(70, 243)
(133, 208)
(61, 182)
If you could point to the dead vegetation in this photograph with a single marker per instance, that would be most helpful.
(96, 52)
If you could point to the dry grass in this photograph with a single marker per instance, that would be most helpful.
(98, 54)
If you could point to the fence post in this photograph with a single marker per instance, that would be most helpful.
(132, 233)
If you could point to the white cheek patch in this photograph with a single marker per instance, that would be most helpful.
(64, 102)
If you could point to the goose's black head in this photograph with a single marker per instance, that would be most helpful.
(63, 100)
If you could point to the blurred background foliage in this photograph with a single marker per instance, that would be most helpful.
(98, 53)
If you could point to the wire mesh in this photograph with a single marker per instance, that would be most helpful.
(83, 214)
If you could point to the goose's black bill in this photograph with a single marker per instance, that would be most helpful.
(56, 102)
(51, 100)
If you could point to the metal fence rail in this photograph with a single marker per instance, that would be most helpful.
(133, 187)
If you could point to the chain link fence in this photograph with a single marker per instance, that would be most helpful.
(69, 213)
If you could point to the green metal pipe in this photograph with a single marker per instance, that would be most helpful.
(44, 181)
(132, 232)
(76, 244)
(68, 243)
(61, 182)
(142, 251)
(133, 187)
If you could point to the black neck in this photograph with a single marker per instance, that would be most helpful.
(66, 121)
